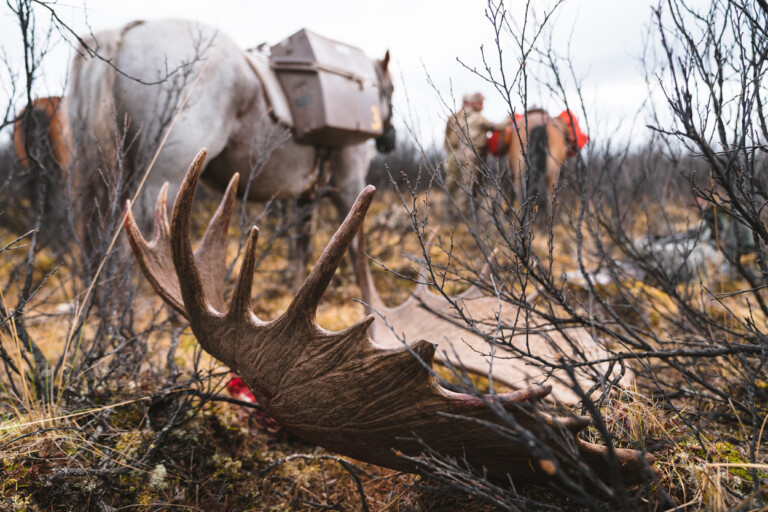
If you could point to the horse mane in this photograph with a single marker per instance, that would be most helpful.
(536, 110)
(537, 117)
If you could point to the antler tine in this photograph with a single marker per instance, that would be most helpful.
(153, 256)
(161, 228)
(191, 286)
(306, 300)
(633, 465)
(368, 294)
(241, 300)
(211, 254)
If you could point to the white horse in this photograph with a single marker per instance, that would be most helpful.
(146, 70)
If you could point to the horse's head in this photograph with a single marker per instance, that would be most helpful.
(386, 141)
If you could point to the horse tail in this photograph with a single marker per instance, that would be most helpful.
(538, 152)
(91, 101)
(93, 115)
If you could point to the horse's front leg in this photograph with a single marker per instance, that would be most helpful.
(348, 170)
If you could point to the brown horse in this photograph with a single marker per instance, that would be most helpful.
(42, 147)
(538, 147)
(47, 124)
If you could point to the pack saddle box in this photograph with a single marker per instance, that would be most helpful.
(332, 89)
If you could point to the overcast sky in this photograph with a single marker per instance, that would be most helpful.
(606, 42)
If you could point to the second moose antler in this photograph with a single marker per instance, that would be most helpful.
(342, 390)
(427, 314)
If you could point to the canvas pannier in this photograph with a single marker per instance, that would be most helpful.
(332, 89)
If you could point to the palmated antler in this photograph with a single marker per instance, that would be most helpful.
(342, 390)
(429, 315)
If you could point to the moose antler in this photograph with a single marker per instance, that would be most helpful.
(342, 390)
(428, 315)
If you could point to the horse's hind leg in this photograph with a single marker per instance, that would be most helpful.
(517, 164)
(538, 172)
(557, 153)
(302, 245)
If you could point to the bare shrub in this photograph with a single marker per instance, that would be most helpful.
(408, 162)
(625, 251)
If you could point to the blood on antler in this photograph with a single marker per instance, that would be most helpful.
(342, 390)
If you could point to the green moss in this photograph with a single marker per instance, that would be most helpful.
(728, 453)
(129, 443)
(147, 497)
(9, 484)
(226, 466)
(20, 504)
(722, 452)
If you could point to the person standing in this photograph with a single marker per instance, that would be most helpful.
(466, 144)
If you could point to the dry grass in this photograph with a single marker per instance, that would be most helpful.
(221, 459)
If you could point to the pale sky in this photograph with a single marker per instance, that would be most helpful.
(606, 42)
